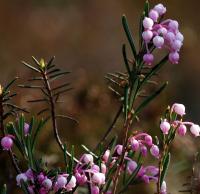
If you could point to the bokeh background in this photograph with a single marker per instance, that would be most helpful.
(86, 38)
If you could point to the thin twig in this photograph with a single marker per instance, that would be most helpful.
(53, 114)
(110, 127)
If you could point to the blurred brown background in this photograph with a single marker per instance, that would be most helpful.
(86, 38)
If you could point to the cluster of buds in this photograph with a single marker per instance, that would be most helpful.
(181, 126)
(87, 172)
(142, 142)
(161, 34)
(44, 183)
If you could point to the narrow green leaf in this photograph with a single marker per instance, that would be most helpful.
(166, 163)
(38, 100)
(126, 102)
(125, 59)
(154, 70)
(150, 98)
(62, 91)
(61, 86)
(131, 178)
(30, 86)
(57, 75)
(146, 8)
(141, 28)
(65, 156)
(53, 71)
(134, 90)
(39, 127)
(71, 161)
(9, 84)
(31, 67)
(42, 111)
(89, 151)
(36, 61)
(49, 64)
(30, 153)
(129, 36)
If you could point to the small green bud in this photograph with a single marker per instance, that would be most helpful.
(42, 63)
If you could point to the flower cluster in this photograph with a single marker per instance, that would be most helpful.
(137, 144)
(87, 172)
(141, 142)
(178, 124)
(45, 183)
(161, 34)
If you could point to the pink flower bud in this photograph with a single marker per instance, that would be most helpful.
(176, 45)
(143, 150)
(21, 177)
(165, 127)
(95, 190)
(98, 178)
(61, 182)
(179, 36)
(95, 168)
(154, 15)
(174, 57)
(163, 187)
(148, 140)
(155, 151)
(152, 170)
(195, 130)
(47, 184)
(173, 25)
(162, 31)
(6, 143)
(145, 178)
(26, 128)
(182, 129)
(160, 9)
(134, 144)
(178, 109)
(103, 168)
(131, 166)
(71, 184)
(170, 36)
(81, 179)
(88, 159)
(40, 178)
(147, 35)
(158, 41)
(119, 149)
(30, 175)
(106, 156)
(148, 23)
(148, 58)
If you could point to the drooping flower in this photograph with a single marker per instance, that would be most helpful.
(7, 142)
(165, 127)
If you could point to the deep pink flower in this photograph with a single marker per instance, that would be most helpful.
(7, 142)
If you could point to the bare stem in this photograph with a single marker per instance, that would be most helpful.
(126, 128)
(53, 114)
